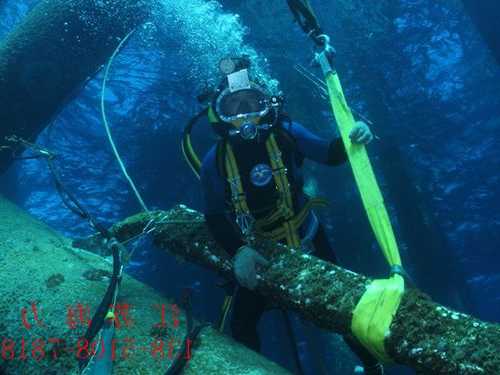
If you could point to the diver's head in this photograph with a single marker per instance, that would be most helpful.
(242, 106)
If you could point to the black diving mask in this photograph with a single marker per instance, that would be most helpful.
(242, 99)
(242, 104)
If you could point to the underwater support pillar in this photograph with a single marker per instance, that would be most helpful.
(51, 54)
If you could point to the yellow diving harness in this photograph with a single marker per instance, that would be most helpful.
(282, 224)
(285, 223)
(288, 222)
(376, 309)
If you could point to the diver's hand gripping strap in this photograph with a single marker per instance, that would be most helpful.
(374, 313)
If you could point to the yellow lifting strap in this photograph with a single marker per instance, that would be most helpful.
(374, 313)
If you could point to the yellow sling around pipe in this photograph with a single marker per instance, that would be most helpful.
(373, 315)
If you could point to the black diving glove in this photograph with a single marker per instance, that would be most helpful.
(245, 262)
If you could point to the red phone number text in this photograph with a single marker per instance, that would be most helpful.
(120, 349)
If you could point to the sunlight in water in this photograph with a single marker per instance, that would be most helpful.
(206, 34)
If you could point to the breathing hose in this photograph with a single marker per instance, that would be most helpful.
(106, 124)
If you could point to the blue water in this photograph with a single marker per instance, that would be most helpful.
(434, 76)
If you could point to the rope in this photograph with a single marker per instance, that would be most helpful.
(68, 199)
(323, 90)
(191, 335)
(106, 124)
(109, 299)
(306, 18)
(74, 205)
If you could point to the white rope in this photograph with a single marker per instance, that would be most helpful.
(106, 125)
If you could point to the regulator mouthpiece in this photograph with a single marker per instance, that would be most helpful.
(248, 131)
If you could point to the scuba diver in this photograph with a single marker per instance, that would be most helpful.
(253, 187)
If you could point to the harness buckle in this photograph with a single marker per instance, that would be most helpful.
(246, 223)
(276, 156)
(234, 182)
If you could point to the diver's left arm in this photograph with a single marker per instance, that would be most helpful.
(327, 152)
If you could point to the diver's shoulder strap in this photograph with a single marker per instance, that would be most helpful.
(284, 137)
(220, 158)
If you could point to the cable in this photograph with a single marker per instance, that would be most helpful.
(323, 91)
(192, 332)
(70, 201)
(106, 124)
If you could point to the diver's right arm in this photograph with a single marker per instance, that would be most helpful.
(245, 258)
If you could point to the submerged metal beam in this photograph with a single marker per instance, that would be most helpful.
(58, 46)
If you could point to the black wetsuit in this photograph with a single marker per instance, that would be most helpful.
(248, 305)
